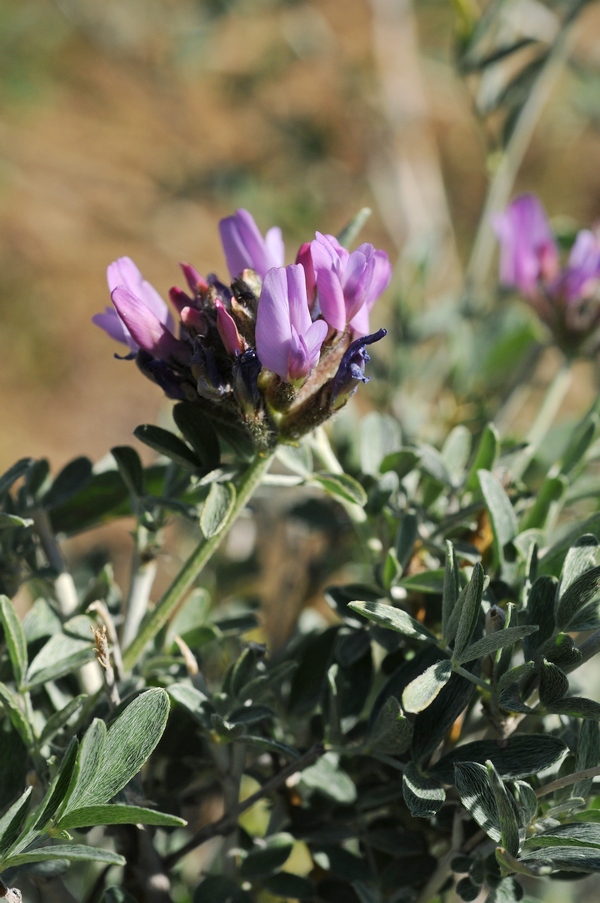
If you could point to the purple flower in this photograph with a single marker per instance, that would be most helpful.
(287, 341)
(351, 371)
(348, 284)
(123, 272)
(578, 278)
(246, 249)
(528, 251)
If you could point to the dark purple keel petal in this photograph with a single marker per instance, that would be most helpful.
(351, 371)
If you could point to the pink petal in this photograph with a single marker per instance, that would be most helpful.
(228, 330)
(273, 329)
(331, 298)
(297, 300)
(145, 327)
(111, 323)
(124, 272)
(275, 247)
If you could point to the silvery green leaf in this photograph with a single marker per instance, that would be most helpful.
(579, 592)
(297, 458)
(15, 639)
(194, 701)
(561, 650)
(87, 765)
(450, 589)
(342, 486)
(470, 609)
(554, 683)
(129, 741)
(392, 569)
(519, 756)
(493, 642)
(287, 886)
(509, 828)
(540, 610)
(581, 557)
(217, 508)
(581, 440)
(477, 796)
(400, 462)
(456, 451)
(168, 444)
(10, 521)
(434, 465)
(326, 777)
(587, 755)
(12, 822)
(565, 858)
(14, 473)
(432, 725)
(215, 889)
(73, 478)
(130, 467)
(430, 582)
(577, 835)
(500, 509)
(57, 721)
(421, 692)
(380, 435)
(117, 814)
(527, 802)
(197, 429)
(59, 787)
(423, 795)
(406, 537)
(392, 618)
(15, 713)
(546, 504)
(63, 653)
(485, 455)
(71, 852)
(268, 858)
(391, 731)
(576, 707)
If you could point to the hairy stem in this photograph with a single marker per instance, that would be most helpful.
(544, 419)
(567, 780)
(174, 596)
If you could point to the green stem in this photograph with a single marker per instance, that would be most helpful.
(545, 417)
(173, 597)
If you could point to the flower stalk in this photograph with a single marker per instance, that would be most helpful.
(172, 599)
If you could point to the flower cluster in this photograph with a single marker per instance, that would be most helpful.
(566, 298)
(273, 353)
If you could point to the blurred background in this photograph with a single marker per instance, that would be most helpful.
(129, 127)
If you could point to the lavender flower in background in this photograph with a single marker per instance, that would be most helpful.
(287, 341)
(528, 251)
(246, 249)
(348, 284)
(124, 273)
(566, 300)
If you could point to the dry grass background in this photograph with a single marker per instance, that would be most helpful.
(131, 127)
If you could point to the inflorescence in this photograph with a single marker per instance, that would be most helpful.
(277, 351)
